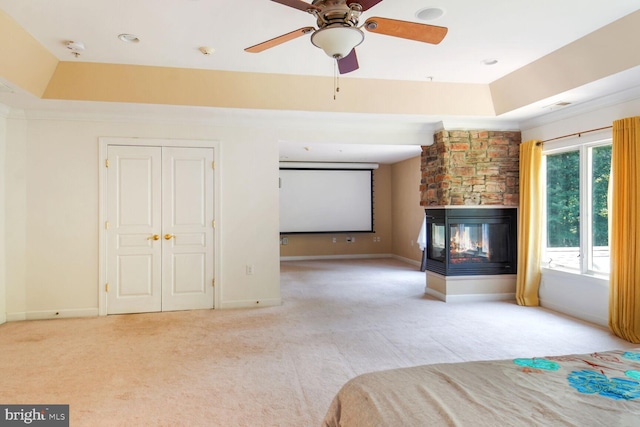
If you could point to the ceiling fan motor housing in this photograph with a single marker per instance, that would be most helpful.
(336, 12)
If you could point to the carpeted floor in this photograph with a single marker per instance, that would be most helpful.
(276, 366)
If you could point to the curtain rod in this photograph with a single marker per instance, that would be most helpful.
(579, 134)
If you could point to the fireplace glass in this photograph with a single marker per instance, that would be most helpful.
(478, 243)
(437, 247)
(471, 241)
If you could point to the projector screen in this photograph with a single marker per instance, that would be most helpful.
(326, 201)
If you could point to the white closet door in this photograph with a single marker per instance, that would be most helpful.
(160, 236)
(187, 228)
(133, 239)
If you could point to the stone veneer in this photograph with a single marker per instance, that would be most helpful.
(471, 167)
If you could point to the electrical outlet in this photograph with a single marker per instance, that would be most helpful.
(333, 240)
(285, 240)
(249, 269)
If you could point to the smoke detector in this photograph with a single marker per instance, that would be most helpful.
(76, 48)
(207, 50)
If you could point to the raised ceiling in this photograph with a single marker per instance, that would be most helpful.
(524, 37)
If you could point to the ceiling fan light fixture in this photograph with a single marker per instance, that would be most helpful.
(337, 41)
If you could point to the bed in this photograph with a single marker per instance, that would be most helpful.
(598, 389)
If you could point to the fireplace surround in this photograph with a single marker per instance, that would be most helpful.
(470, 191)
(476, 241)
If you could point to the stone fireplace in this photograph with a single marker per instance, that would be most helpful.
(469, 189)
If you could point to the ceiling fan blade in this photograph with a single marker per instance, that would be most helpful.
(366, 4)
(279, 40)
(406, 30)
(349, 63)
(297, 4)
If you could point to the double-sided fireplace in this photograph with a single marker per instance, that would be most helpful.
(471, 241)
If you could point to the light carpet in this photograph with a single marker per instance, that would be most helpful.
(274, 366)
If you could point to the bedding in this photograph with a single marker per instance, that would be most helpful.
(598, 389)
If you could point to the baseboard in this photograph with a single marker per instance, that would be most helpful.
(16, 317)
(575, 313)
(52, 314)
(407, 260)
(3, 318)
(480, 298)
(271, 302)
(466, 298)
(321, 257)
(437, 295)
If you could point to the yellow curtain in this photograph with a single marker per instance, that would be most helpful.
(624, 287)
(529, 224)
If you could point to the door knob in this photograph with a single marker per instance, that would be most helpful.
(169, 236)
(154, 237)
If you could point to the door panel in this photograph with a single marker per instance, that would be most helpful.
(135, 276)
(187, 220)
(134, 213)
(190, 273)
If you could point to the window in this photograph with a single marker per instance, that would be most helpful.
(576, 207)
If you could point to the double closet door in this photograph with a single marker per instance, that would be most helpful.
(160, 234)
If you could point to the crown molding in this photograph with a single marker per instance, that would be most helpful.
(484, 124)
(621, 97)
(5, 111)
(226, 117)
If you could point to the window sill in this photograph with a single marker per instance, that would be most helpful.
(600, 279)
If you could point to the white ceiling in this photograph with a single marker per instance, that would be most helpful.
(515, 32)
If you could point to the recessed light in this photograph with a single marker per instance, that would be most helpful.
(128, 38)
(429, 13)
(490, 61)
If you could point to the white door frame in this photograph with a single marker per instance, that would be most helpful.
(104, 142)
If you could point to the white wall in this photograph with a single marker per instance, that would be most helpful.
(16, 215)
(3, 260)
(583, 297)
(52, 212)
(52, 206)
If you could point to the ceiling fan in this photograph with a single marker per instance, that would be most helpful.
(338, 32)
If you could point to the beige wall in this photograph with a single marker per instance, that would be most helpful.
(397, 220)
(23, 60)
(593, 57)
(408, 215)
(303, 245)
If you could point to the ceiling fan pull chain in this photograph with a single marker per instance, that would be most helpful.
(336, 80)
